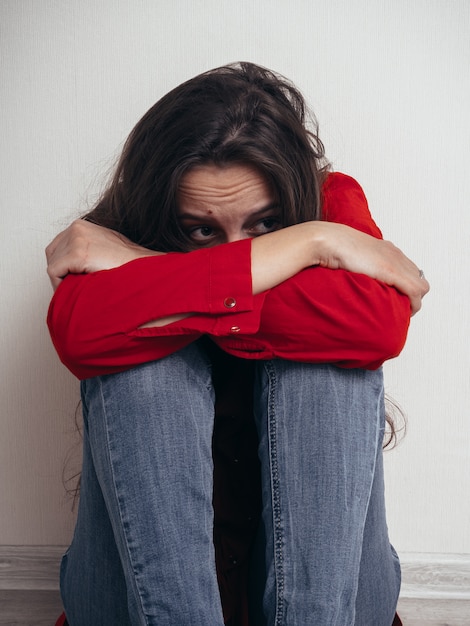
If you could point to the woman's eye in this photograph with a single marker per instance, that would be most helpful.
(266, 225)
(201, 233)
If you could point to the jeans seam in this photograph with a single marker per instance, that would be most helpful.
(119, 504)
(276, 497)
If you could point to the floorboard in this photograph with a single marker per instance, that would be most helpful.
(29, 608)
(431, 612)
(42, 608)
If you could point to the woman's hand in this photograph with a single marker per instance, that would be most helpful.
(279, 255)
(84, 247)
(346, 248)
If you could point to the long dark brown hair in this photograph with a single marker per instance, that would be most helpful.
(236, 113)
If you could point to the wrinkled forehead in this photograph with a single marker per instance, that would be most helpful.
(210, 184)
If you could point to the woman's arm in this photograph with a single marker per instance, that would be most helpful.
(280, 255)
(94, 318)
(327, 316)
(338, 316)
(102, 322)
(85, 248)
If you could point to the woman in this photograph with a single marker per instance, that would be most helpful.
(247, 285)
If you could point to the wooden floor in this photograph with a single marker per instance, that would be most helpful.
(432, 612)
(41, 608)
(29, 608)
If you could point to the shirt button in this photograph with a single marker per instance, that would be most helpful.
(235, 329)
(229, 303)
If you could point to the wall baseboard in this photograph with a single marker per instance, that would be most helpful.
(435, 576)
(430, 576)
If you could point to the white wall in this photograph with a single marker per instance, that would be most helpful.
(390, 84)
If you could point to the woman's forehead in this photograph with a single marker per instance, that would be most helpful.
(210, 184)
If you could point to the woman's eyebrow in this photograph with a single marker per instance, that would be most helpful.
(273, 206)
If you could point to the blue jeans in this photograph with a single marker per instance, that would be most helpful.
(143, 551)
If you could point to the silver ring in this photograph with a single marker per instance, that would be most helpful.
(421, 274)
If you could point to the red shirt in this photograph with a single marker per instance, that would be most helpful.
(318, 315)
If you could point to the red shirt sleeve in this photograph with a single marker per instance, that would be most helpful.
(95, 319)
(333, 316)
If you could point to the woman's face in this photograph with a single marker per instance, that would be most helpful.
(224, 204)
